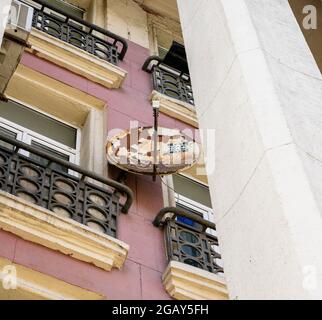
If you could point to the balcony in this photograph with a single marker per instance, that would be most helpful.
(169, 81)
(62, 187)
(170, 75)
(172, 84)
(78, 32)
(194, 270)
(190, 242)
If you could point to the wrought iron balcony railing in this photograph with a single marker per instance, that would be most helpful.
(190, 243)
(82, 196)
(78, 32)
(168, 80)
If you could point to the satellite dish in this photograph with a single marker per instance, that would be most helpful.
(135, 151)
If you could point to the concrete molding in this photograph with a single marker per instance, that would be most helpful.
(175, 108)
(34, 285)
(76, 60)
(52, 96)
(41, 226)
(184, 282)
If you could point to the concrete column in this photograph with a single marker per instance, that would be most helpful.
(256, 83)
(4, 12)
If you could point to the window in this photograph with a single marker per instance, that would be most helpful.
(63, 5)
(68, 8)
(192, 197)
(162, 33)
(40, 131)
(52, 26)
(164, 42)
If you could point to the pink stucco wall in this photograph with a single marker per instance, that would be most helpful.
(141, 276)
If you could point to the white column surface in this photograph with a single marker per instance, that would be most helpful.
(256, 83)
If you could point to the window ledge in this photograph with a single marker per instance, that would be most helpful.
(33, 285)
(184, 282)
(76, 60)
(175, 108)
(39, 225)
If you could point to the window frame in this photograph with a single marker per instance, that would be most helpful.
(27, 136)
(49, 115)
(66, 3)
(162, 24)
(207, 212)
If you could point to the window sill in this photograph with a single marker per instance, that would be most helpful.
(184, 282)
(76, 60)
(33, 285)
(176, 109)
(43, 227)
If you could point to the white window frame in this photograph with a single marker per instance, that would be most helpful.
(9, 127)
(207, 212)
(53, 145)
(27, 136)
(49, 115)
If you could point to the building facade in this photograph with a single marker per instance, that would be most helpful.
(239, 78)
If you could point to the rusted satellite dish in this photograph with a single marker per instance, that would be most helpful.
(135, 151)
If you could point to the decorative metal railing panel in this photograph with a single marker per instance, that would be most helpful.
(191, 243)
(93, 203)
(81, 34)
(169, 81)
(192, 247)
(172, 85)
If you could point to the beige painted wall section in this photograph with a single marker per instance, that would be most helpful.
(257, 85)
(93, 139)
(164, 8)
(123, 17)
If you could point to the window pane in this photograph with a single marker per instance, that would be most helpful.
(188, 221)
(67, 8)
(162, 52)
(51, 152)
(164, 38)
(38, 123)
(192, 190)
(10, 134)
